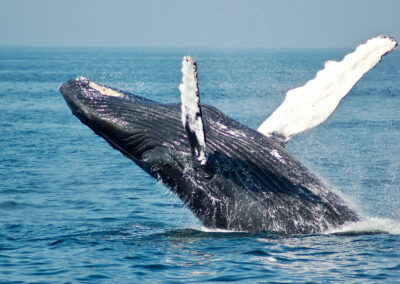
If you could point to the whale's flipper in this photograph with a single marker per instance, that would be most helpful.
(192, 119)
(310, 105)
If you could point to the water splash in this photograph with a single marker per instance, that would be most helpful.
(367, 226)
(215, 230)
(370, 225)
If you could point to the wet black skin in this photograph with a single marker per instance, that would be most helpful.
(250, 183)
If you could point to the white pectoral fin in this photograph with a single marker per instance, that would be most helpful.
(310, 105)
(192, 119)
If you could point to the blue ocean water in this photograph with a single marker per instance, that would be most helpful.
(72, 209)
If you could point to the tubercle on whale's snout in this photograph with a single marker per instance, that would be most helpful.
(82, 81)
(78, 81)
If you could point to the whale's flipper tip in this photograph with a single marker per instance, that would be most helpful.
(383, 44)
(192, 119)
(389, 38)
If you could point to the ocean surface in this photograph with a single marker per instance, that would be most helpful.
(74, 210)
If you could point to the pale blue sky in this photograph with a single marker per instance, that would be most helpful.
(206, 23)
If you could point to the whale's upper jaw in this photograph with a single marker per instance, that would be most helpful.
(87, 99)
(118, 117)
(90, 106)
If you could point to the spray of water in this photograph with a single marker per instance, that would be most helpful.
(369, 225)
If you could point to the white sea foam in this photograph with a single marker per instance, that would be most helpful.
(213, 230)
(369, 225)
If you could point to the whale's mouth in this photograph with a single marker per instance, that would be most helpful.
(120, 118)
(87, 100)
(95, 108)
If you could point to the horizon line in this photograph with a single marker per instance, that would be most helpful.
(172, 47)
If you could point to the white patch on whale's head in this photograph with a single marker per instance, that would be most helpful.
(105, 91)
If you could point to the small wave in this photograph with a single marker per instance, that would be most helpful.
(370, 225)
(13, 205)
(245, 234)
(214, 230)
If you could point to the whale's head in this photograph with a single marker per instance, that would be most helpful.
(149, 133)
(138, 127)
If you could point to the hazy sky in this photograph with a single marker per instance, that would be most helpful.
(201, 23)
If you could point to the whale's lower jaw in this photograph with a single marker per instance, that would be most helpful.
(250, 183)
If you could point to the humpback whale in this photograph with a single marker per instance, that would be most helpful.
(229, 175)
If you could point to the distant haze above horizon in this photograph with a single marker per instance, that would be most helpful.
(191, 24)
